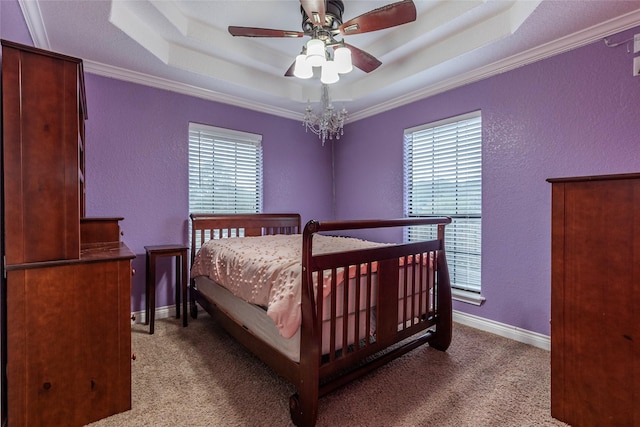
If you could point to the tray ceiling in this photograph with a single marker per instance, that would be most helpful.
(185, 46)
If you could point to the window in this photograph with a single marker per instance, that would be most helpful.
(443, 177)
(225, 170)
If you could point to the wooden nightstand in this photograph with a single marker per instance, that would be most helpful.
(154, 252)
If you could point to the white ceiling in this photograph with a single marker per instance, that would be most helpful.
(184, 45)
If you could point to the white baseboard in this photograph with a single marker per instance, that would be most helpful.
(161, 313)
(522, 335)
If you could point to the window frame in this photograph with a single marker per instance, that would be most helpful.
(236, 149)
(465, 221)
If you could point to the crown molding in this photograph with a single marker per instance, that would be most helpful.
(35, 25)
(185, 89)
(547, 50)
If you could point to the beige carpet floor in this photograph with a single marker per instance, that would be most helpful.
(199, 376)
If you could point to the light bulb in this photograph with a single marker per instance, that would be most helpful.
(316, 54)
(329, 73)
(342, 58)
(302, 69)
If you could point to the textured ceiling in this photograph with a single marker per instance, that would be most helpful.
(185, 46)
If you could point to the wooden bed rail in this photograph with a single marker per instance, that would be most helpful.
(318, 226)
(320, 374)
(209, 226)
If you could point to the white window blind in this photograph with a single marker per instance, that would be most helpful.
(225, 170)
(443, 177)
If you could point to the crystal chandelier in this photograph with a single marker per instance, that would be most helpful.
(327, 124)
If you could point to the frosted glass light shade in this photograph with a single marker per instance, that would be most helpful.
(316, 54)
(342, 58)
(302, 69)
(329, 73)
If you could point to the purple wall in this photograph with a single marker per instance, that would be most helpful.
(137, 165)
(574, 114)
(12, 23)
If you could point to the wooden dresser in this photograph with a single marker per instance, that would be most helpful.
(595, 300)
(67, 279)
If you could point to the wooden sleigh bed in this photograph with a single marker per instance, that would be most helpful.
(378, 302)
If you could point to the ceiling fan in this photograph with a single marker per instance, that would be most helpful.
(322, 21)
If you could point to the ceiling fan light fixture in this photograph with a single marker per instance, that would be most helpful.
(342, 58)
(316, 53)
(302, 69)
(322, 21)
(329, 73)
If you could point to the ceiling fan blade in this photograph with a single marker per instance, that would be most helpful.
(262, 32)
(363, 60)
(289, 72)
(387, 16)
(315, 10)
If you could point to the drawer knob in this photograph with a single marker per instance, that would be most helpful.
(46, 385)
(133, 356)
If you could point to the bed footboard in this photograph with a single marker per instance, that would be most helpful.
(408, 306)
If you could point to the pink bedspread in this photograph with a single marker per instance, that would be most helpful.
(267, 271)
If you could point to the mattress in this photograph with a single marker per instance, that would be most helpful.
(267, 271)
(255, 319)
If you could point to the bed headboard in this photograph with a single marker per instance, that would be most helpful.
(219, 226)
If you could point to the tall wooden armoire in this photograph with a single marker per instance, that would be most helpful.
(67, 278)
(595, 300)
